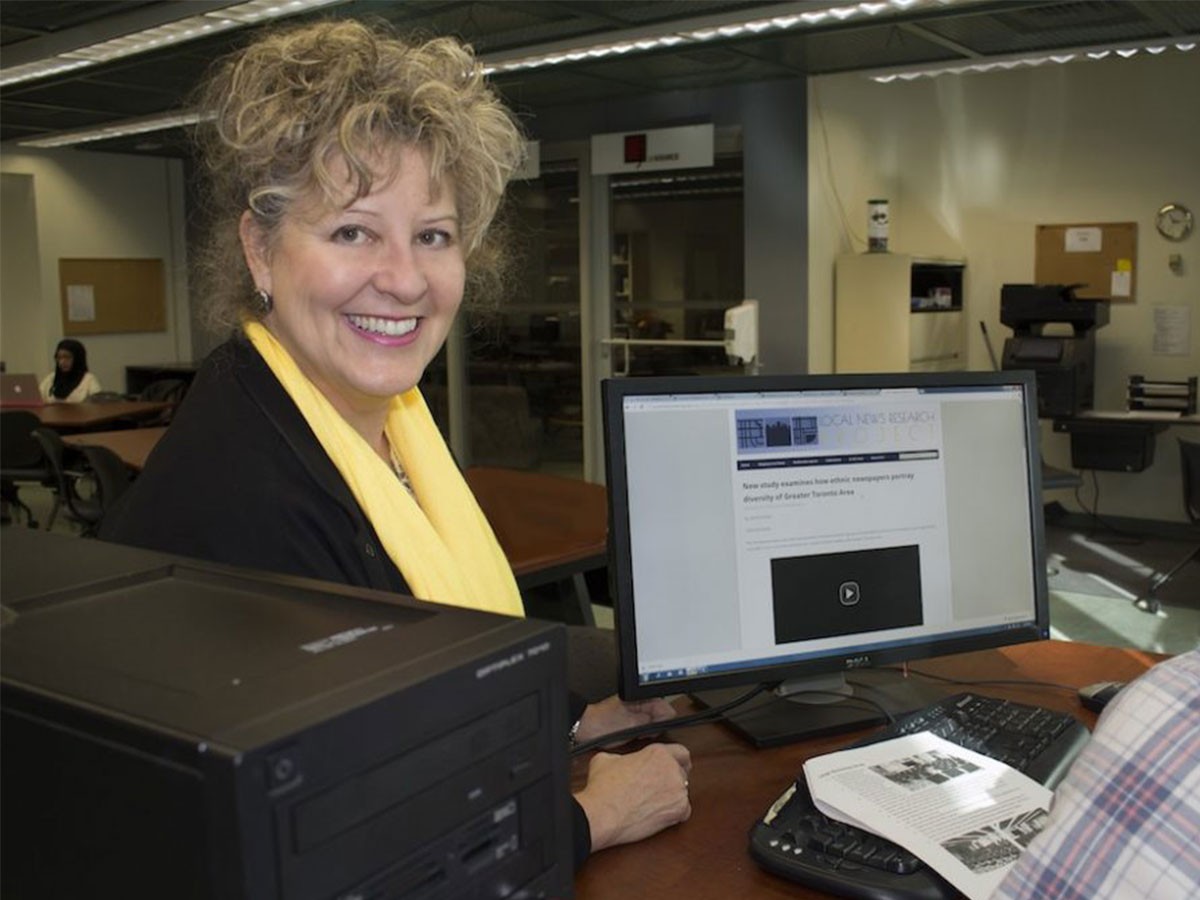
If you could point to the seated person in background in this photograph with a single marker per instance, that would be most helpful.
(354, 177)
(70, 382)
(1126, 819)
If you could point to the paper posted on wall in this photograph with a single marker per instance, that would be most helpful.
(966, 815)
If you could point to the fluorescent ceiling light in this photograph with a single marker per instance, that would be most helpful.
(794, 15)
(667, 35)
(123, 128)
(1031, 60)
(235, 16)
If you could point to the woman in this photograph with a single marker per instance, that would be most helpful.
(70, 382)
(354, 178)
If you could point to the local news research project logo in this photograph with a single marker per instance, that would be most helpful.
(835, 429)
(758, 431)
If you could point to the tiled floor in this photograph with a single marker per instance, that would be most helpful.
(1096, 575)
(41, 502)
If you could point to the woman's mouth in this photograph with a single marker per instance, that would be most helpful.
(381, 327)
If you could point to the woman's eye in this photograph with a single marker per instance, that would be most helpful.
(435, 237)
(350, 234)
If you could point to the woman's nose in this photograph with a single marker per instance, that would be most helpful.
(400, 273)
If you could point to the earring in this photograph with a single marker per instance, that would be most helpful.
(264, 300)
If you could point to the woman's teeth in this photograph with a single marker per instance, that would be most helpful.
(387, 327)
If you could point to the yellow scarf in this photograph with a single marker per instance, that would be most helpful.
(440, 541)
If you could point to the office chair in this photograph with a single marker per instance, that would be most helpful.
(106, 397)
(102, 468)
(54, 451)
(1189, 459)
(22, 460)
(112, 478)
(170, 390)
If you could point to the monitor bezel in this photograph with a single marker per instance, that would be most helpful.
(613, 393)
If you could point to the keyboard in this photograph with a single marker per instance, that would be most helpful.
(795, 840)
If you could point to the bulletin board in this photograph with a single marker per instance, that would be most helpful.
(1101, 256)
(112, 296)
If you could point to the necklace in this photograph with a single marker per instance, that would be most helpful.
(398, 468)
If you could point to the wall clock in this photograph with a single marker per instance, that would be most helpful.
(1174, 221)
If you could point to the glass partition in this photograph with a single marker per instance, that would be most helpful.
(524, 392)
(677, 265)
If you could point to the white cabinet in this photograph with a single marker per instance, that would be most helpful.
(898, 313)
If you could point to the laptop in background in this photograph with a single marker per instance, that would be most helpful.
(18, 391)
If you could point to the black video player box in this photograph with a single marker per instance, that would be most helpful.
(175, 729)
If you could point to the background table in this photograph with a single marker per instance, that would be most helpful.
(133, 445)
(732, 784)
(88, 416)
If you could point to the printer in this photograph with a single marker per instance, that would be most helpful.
(1063, 364)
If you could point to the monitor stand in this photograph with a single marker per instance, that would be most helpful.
(808, 708)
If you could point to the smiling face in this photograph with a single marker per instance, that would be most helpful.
(364, 294)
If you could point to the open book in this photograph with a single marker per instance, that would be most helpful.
(966, 815)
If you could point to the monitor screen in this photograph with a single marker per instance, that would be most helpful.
(768, 528)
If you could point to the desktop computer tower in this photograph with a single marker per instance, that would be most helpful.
(175, 729)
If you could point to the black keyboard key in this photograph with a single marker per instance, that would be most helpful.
(842, 844)
(818, 842)
(864, 850)
(906, 864)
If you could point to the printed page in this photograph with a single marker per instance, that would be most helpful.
(964, 814)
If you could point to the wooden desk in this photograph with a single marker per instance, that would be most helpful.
(544, 522)
(88, 416)
(707, 857)
(553, 530)
(133, 445)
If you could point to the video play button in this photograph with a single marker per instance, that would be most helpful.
(848, 593)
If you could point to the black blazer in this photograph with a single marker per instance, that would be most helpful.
(240, 478)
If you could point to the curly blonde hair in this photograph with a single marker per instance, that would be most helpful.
(278, 113)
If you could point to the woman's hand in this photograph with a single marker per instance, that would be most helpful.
(614, 714)
(632, 796)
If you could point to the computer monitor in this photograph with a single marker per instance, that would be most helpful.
(769, 529)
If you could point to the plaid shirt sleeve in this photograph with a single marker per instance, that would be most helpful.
(1126, 819)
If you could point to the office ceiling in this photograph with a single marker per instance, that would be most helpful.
(926, 33)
